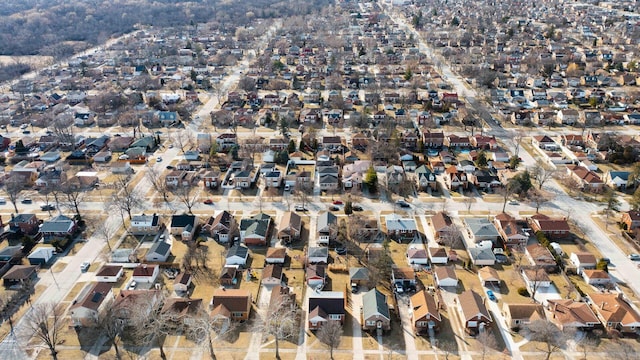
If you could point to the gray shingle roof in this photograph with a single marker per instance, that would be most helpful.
(373, 303)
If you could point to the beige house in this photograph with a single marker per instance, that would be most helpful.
(91, 302)
(519, 315)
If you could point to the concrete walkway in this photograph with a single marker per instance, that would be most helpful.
(407, 328)
(356, 328)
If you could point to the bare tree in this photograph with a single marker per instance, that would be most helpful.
(541, 173)
(538, 197)
(250, 147)
(126, 198)
(13, 187)
(46, 322)
(548, 334)
(448, 347)
(187, 194)
(451, 236)
(105, 231)
(182, 139)
(621, 350)
(330, 334)
(536, 275)
(487, 342)
(72, 197)
(153, 327)
(515, 139)
(468, 201)
(282, 320)
(46, 192)
(587, 343)
(206, 330)
(303, 192)
(112, 327)
(158, 182)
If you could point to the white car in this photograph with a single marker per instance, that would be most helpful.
(158, 159)
(85, 266)
(123, 157)
(634, 256)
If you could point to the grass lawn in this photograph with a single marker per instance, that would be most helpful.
(511, 281)
(58, 266)
(75, 291)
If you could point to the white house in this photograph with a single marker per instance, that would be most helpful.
(438, 255)
(182, 282)
(159, 251)
(145, 224)
(237, 255)
(445, 276)
(482, 256)
(537, 278)
(596, 277)
(110, 273)
(91, 302)
(318, 254)
(557, 248)
(583, 260)
(145, 273)
(417, 256)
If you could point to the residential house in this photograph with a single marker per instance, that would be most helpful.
(110, 273)
(26, 224)
(481, 229)
(583, 260)
(272, 275)
(181, 311)
(211, 179)
(275, 255)
(401, 229)
(520, 315)
(184, 226)
(445, 276)
(544, 142)
(631, 220)
(91, 302)
(231, 304)
(146, 273)
(326, 227)
(426, 178)
(433, 140)
(475, 315)
(535, 279)
(375, 311)
(615, 312)
(510, 231)
(316, 275)
(237, 255)
(425, 314)
(290, 227)
(541, 256)
(438, 255)
(130, 304)
(588, 179)
(454, 178)
(442, 224)
(570, 314)
(145, 224)
(254, 230)
(568, 117)
(324, 306)
(221, 227)
(618, 180)
(596, 277)
(553, 228)
(57, 227)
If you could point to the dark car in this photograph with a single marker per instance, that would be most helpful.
(169, 167)
(27, 201)
(403, 204)
(47, 207)
(356, 208)
(341, 250)
(333, 208)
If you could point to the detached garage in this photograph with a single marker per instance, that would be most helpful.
(41, 255)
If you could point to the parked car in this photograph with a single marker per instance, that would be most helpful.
(634, 256)
(208, 202)
(356, 208)
(158, 159)
(169, 167)
(47, 207)
(491, 295)
(85, 266)
(132, 285)
(398, 289)
(300, 208)
(27, 201)
(403, 204)
(341, 250)
(337, 202)
(354, 288)
(333, 208)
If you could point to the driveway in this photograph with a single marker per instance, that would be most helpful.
(356, 305)
(549, 293)
(494, 307)
(405, 311)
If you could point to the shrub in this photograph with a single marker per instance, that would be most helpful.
(523, 291)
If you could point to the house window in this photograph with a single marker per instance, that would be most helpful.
(314, 323)
(517, 322)
(237, 314)
(422, 323)
(335, 317)
(370, 323)
(609, 324)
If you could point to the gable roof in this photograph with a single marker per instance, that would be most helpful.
(375, 303)
(178, 221)
(233, 300)
(20, 272)
(358, 273)
(58, 224)
(325, 219)
(482, 227)
(331, 302)
(276, 253)
(256, 225)
(613, 308)
(441, 221)
(160, 248)
(488, 273)
(472, 304)
(568, 311)
(529, 312)
(182, 307)
(446, 272)
(423, 303)
(238, 250)
(94, 297)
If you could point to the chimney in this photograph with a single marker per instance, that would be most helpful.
(602, 305)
